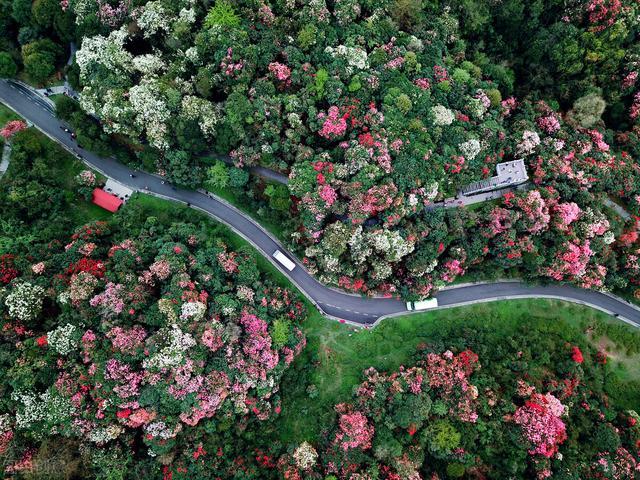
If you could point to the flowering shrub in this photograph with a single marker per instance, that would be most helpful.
(540, 421)
(24, 302)
(355, 432)
(86, 178)
(334, 125)
(11, 128)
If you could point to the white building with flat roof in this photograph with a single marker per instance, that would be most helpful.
(509, 174)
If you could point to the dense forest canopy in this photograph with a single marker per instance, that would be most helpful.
(376, 110)
(144, 346)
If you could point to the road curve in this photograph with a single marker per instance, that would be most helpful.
(335, 304)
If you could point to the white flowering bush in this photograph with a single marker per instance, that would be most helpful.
(106, 52)
(150, 65)
(193, 311)
(153, 19)
(104, 435)
(41, 413)
(151, 110)
(442, 115)
(470, 149)
(173, 352)
(355, 57)
(24, 302)
(206, 113)
(305, 456)
(63, 339)
(530, 140)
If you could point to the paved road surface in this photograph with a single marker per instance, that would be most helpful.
(617, 208)
(364, 311)
(261, 171)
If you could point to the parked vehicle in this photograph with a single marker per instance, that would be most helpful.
(423, 304)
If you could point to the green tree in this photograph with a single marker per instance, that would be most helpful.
(280, 331)
(442, 438)
(66, 107)
(587, 110)
(39, 67)
(181, 170)
(455, 470)
(21, 12)
(407, 13)
(278, 197)
(218, 175)
(238, 177)
(222, 13)
(8, 67)
(605, 438)
(45, 11)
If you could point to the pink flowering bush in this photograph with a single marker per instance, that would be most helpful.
(281, 72)
(113, 15)
(334, 125)
(354, 431)
(539, 419)
(229, 66)
(567, 214)
(11, 128)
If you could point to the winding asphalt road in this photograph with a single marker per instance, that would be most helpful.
(334, 303)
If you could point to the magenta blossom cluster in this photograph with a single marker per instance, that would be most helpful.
(334, 125)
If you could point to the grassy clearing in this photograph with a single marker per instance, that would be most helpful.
(65, 169)
(6, 114)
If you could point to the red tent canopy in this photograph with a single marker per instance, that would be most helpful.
(106, 200)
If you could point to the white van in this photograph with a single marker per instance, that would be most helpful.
(423, 304)
(282, 258)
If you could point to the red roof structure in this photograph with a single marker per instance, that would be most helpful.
(106, 200)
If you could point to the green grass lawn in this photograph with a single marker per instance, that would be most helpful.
(6, 114)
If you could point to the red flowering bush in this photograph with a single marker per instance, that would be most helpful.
(576, 354)
(7, 268)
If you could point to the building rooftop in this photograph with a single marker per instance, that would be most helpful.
(509, 173)
(106, 200)
(118, 189)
